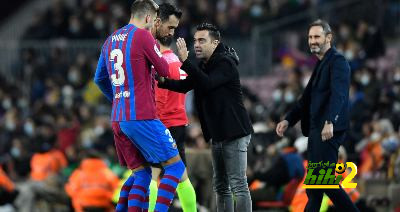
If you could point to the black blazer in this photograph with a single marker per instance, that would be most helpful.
(218, 95)
(326, 96)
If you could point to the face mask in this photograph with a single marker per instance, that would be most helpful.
(67, 91)
(277, 95)
(15, 152)
(396, 76)
(99, 23)
(74, 27)
(22, 103)
(73, 76)
(7, 103)
(364, 79)
(375, 136)
(289, 97)
(28, 128)
(256, 11)
(349, 54)
(10, 125)
(87, 143)
(99, 130)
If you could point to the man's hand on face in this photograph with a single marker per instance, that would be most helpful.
(183, 53)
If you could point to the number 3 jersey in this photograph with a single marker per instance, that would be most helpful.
(124, 73)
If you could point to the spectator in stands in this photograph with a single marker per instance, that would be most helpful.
(8, 192)
(288, 166)
(87, 189)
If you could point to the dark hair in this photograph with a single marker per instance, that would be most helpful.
(212, 30)
(325, 26)
(140, 8)
(166, 9)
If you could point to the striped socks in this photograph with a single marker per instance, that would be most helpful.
(123, 195)
(139, 189)
(168, 184)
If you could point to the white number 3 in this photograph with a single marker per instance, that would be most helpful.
(117, 81)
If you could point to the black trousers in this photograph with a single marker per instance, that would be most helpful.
(325, 151)
(179, 134)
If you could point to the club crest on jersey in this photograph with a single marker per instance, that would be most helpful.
(125, 94)
(157, 50)
(119, 37)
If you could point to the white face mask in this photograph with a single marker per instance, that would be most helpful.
(10, 125)
(289, 97)
(99, 130)
(67, 91)
(277, 95)
(73, 76)
(396, 76)
(99, 23)
(15, 152)
(364, 79)
(256, 11)
(349, 54)
(7, 103)
(375, 136)
(28, 128)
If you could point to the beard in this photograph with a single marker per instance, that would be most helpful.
(166, 41)
(317, 48)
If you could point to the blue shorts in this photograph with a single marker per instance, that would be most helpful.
(152, 139)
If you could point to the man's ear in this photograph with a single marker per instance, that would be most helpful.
(216, 42)
(157, 22)
(329, 37)
(148, 18)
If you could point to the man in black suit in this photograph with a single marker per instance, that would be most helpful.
(324, 111)
(223, 117)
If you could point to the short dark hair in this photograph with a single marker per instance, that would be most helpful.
(140, 8)
(212, 30)
(325, 26)
(166, 9)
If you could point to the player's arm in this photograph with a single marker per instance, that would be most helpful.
(181, 86)
(224, 74)
(102, 79)
(153, 54)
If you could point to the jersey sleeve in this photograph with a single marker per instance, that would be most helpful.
(153, 54)
(102, 79)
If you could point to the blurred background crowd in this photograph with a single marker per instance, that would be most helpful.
(52, 116)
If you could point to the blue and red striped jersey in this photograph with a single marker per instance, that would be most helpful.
(125, 76)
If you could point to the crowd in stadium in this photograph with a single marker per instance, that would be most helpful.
(96, 18)
(62, 119)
